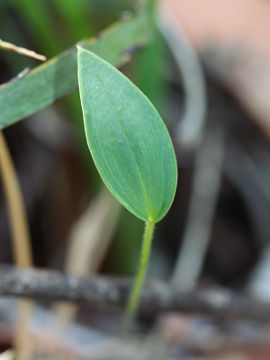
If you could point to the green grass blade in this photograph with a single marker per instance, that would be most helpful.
(128, 140)
(58, 77)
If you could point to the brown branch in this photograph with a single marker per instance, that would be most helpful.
(157, 296)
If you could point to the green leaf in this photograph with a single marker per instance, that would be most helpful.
(58, 77)
(127, 138)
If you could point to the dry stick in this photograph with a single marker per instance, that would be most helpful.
(88, 242)
(157, 296)
(20, 50)
(21, 242)
(18, 221)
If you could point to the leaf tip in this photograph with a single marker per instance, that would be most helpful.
(80, 49)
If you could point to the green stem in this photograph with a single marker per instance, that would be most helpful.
(134, 298)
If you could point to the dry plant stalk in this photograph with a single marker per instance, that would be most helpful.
(21, 242)
(5, 45)
(89, 240)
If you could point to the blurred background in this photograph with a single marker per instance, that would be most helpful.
(207, 71)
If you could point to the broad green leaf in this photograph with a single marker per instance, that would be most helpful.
(128, 140)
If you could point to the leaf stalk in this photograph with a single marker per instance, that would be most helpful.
(134, 298)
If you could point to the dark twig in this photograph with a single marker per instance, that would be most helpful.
(157, 296)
